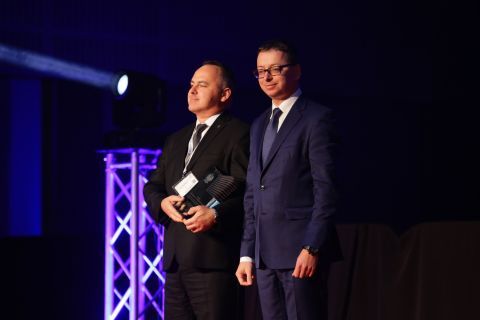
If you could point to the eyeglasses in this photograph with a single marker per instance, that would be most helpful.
(273, 70)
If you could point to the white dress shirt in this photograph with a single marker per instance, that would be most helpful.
(190, 151)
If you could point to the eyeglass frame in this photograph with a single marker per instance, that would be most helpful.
(280, 69)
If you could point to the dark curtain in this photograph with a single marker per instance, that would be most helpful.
(432, 271)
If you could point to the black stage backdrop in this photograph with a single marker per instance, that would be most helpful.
(400, 75)
(429, 272)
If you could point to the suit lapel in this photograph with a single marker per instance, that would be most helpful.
(212, 132)
(289, 123)
(180, 151)
(259, 133)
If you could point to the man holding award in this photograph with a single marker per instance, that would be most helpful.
(196, 193)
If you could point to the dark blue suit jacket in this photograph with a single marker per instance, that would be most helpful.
(290, 202)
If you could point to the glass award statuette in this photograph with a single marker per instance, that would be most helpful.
(209, 191)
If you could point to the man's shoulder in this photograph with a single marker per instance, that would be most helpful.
(233, 123)
(262, 116)
(311, 106)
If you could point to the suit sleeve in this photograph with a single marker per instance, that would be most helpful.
(248, 238)
(320, 156)
(230, 211)
(155, 191)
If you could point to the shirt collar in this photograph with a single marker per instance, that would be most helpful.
(287, 104)
(210, 120)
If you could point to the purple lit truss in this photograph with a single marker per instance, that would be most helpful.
(134, 279)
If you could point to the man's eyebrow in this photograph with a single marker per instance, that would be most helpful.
(199, 82)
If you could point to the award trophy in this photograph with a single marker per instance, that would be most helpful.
(209, 191)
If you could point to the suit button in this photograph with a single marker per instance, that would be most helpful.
(262, 187)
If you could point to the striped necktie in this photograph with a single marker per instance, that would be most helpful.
(197, 136)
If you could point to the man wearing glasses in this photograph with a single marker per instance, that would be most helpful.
(289, 236)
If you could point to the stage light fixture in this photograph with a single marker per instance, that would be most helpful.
(139, 100)
(122, 84)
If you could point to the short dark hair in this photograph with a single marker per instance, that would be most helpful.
(227, 74)
(280, 45)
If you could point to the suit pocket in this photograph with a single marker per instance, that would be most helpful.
(298, 213)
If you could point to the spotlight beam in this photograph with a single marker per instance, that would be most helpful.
(56, 67)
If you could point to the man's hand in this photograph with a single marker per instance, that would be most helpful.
(170, 206)
(245, 273)
(305, 266)
(202, 219)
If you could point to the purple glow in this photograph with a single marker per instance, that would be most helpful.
(134, 280)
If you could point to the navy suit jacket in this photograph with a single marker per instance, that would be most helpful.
(290, 201)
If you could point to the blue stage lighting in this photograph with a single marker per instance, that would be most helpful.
(122, 84)
(56, 67)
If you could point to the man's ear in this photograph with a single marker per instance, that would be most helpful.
(226, 94)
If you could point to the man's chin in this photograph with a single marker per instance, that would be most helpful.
(270, 91)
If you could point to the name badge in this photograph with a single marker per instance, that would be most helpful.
(186, 184)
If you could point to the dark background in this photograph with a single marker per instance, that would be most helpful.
(401, 76)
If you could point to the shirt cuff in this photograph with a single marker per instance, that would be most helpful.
(215, 214)
(246, 259)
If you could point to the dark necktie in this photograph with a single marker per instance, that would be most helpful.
(270, 134)
(198, 134)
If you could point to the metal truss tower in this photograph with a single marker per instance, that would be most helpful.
(134, 279)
